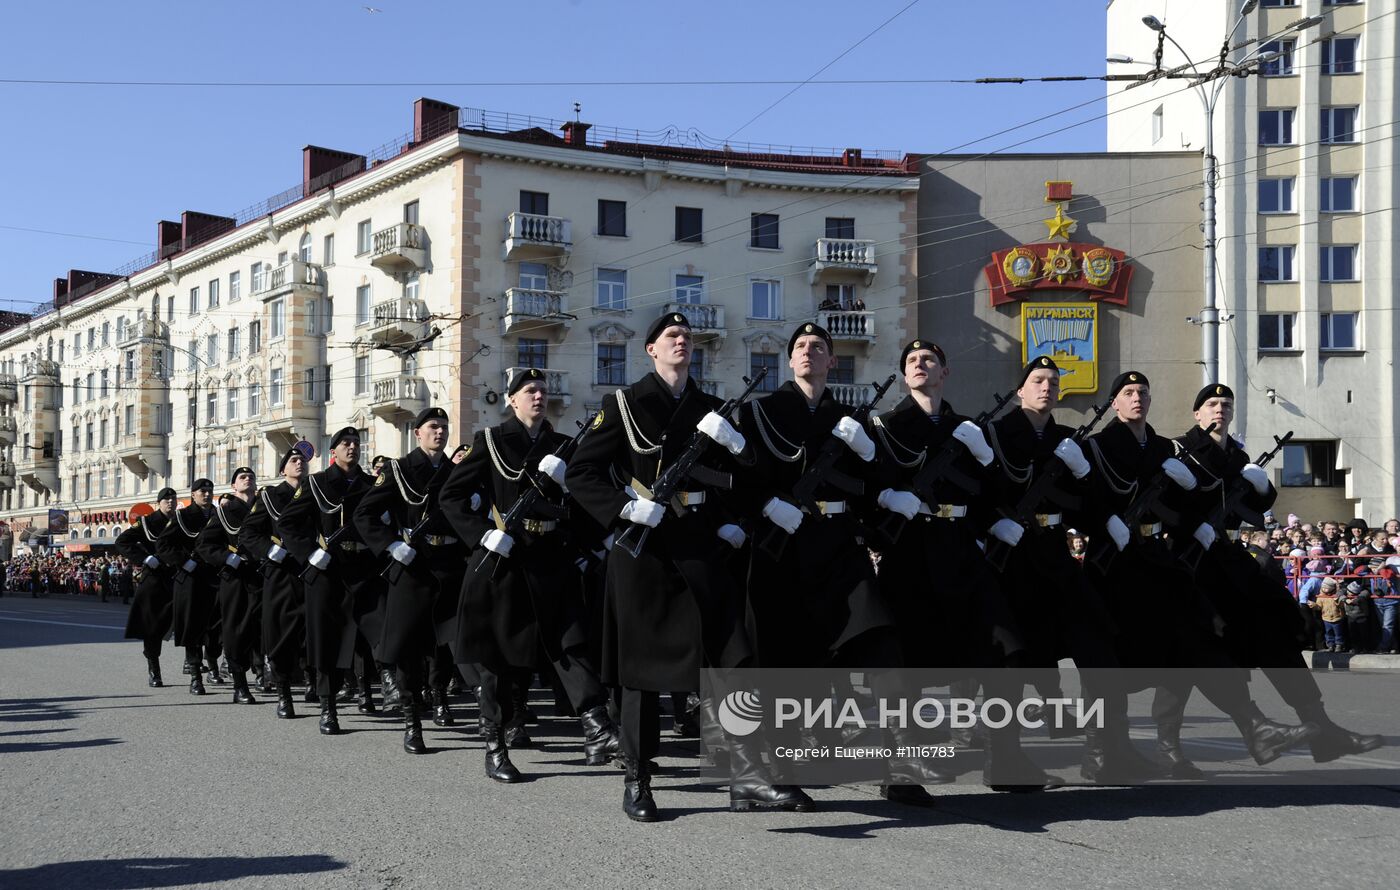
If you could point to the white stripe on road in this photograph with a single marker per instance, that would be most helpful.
(4, 616)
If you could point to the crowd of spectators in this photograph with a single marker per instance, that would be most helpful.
(106, 577)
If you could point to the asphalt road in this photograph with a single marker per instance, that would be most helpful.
(105, 783)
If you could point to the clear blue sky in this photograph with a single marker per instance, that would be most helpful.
(108, 161)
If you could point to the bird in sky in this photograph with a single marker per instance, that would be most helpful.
(372, 10)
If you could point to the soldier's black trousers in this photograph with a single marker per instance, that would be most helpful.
(578, 677)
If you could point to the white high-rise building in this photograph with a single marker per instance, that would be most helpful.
(1306, 271)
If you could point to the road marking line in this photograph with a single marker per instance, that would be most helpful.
(5, 617)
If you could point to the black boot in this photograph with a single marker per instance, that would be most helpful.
(684, 707)
(516, 736)
(908, 775)
(349, 691)
(1267, 740)
(1179, 766)
(365, 700)
(389, 688)
(442, 714)
(714, 742)
(748, 790)
(412, 730)
(498, 765)
(330, 720)
(1111, 759)
(196, 681)
(241, 694)
(1333, 741)
(600, 741)
(311, 696)
(637, 801)
(1007, 768)
(214, 676)
(153, 673)
(520, 702)
(266, 684)
(285, 710)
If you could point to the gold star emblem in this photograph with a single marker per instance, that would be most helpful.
(1059, 264)
(1061, 226)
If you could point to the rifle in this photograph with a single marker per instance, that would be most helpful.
(774, 540)
(412, 536)
(669, 482)
(938, 467)
(1232, 504)
(1144, 504)
(998, 551)
(309, 573)
(515, 516)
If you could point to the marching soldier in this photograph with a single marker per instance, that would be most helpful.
(400, 519)
(195, 586)
(240, 584)
(672, 608)
(342, 579)
(149, 618)
(283, 599)
(524, 596)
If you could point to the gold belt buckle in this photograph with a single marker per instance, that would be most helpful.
(539, 526)
(1044, 520)
(351, 546)
(947, 511)
(1150, 531)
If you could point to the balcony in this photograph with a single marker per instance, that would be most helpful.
(535, 312)
(402, 247)
(844, 259)
(286, 424)
(38, 469)
(9, 389)
(706, 319)
(8, 429)
(398, 321)
(7, 475)
(555, 381)
(853, 394)
(288, 277)
(849, 326)
(396, 397)
(530, 236)
(41, 370)
(145, 329)
(143, 452)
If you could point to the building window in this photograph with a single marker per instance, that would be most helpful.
(194, 304)
(362, 308)
(534, 202)
(410, 286)
(211, 349)
(844, 374)
(234, 346)
(1338, 194)
(1338, 2)
(763, 230)
(235, 286)
(1276, 126)
(257, 274)
(1338, 125)
(254, 337)
(410, 213)
(213, 294)
(690, 224)
(169, 311)
(310, 391)
(91, 386)
(1337, 330)
(328, 250)
(304, 247)
(103, 383)
(1276, 263)
(1280, 65)
(612, 289)
(532, 353)
(254, 453)
(1338, 262)
(766, 299)
(361, 375)
(760, 361)
(102, 433)
(230, 463)
(274, 392)
(534, 276)
(1339, 55)
(106, 334)
(130, 417)
(1278, 3)
(690, 289)
(1276, 330)
(254, 399)
(231, 404)
(840, 227)
(1158, 124)
(839, 296)
(87, 437)
(209, 466)
(363, 234)
(697, 364)
(192, 355)
(612, 364)
(211, 407)
(1310, 465)
(612, 218)
(278, 313)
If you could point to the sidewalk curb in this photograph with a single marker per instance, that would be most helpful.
(1342, 661)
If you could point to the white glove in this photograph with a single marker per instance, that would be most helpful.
(498, 542)
(970, 434)
(233, 560)
(320, 559)
(732, 535)
(721, 431)
(475, 503)
(1204, 534)
(151, 562)
(189, 567)
(851, 432)
(1179, 473)
(1073, 456)
(1257, 476)
(402, 552)
(1118, 531)
(276, 554)
(643, 512)
(1007, 531)
(782, 514)
(554, 468)
(905, 503)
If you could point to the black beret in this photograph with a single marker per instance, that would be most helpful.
(1040, 362)
(166, 494)
(465, 446)
(1212, 391)
(664, 322)
(202, 485)
(233, 477)
(521, 378)
(809, 329)
(291, 452)
(1124, 379)
(378, 461)
(428, 414)
(346, 432)
(1358, 522)
(915, 345)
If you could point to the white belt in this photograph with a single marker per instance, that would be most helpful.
(943, 511)
(1047, 520)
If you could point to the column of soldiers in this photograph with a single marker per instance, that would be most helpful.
(757, 555)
